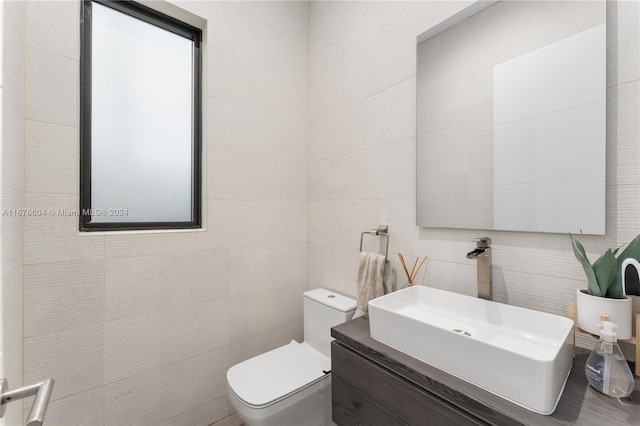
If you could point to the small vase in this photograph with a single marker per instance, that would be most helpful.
(591, 307)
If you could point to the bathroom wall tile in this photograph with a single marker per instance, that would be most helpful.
(623, 37)
(52, 150)
(166, 243)
(334, 85)
(146, 400)
(13, 66)
(623, 106)
(74, 357)
(341, 276)
(390, 114)
(83, 408)
(390, 60)
(625, 200)
(265, 223)
(238, 128)
(554, 299)
(16, 10)
(51, 88)
(250, 177)
(284, 82)
(275, 267)
(372, 22)
(558, 262)
(12, 192)
(54, 239)
(337, 178)
(160, 338)
(343, 38)
(147, 284)
(202, 415)
(218, 174)
(218, 217)
(54, 26)
(388, 165)
(235, 79)
(339, 133)
(59, 296)
(256, 314)
(335, 222)
(12, 244)
(12, 325)
(13, 145)
(451, 276)
(330, 24)
(12, 159)
(284, 27)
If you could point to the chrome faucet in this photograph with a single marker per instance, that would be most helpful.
(482, 253)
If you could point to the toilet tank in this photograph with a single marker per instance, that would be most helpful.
(322, 310)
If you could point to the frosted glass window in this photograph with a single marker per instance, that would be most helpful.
(141, 119)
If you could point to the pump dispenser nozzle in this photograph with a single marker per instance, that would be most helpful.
(607, 331)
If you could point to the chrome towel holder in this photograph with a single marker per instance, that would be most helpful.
(382, 231)
(42, 392)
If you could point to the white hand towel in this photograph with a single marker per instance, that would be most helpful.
(370, 281)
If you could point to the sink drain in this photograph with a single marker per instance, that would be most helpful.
(466, 333)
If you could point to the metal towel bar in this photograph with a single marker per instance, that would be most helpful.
(383, 230)
(42, 391)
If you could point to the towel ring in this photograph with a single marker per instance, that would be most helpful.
(382, 231)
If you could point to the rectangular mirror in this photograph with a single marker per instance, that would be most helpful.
(511, 112)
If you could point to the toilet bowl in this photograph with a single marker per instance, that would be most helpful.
(291, 385)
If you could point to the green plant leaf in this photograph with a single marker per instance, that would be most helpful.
(581, 255)
(605, 269)
(615, 288)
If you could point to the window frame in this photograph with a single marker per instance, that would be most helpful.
(175, 26)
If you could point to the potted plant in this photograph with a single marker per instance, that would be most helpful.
(604, 293)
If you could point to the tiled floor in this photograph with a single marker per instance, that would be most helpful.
(232, 420)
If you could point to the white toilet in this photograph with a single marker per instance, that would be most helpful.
(291, 385)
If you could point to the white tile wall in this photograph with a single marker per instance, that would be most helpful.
(12, 184)
(533, 270)
(140, 328)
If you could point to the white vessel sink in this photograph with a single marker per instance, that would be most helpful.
(518, 354)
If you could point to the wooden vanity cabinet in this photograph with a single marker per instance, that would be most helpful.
(374, 384)
(364, 393)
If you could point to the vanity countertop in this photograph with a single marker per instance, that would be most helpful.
(579, 404)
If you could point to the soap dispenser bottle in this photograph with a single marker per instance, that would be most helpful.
(606, 368)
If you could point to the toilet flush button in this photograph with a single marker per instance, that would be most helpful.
(331, 296)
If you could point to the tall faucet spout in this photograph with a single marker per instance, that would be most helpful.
(475, 253)
(482, 255)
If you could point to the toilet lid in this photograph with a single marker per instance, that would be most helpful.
(266, 378)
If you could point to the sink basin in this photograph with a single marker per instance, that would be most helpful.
(518, 354)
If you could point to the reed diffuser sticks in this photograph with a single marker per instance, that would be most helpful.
(414, 271)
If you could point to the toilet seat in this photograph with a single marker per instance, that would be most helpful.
(268, 378)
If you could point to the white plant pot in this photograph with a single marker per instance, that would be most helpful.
(591, 307)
